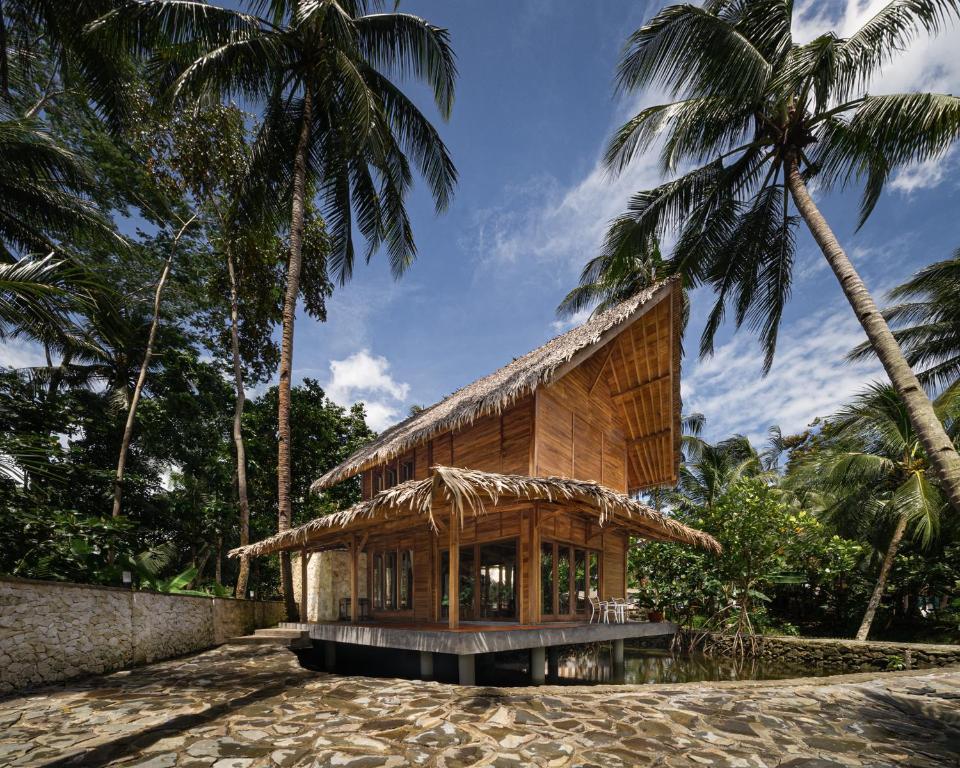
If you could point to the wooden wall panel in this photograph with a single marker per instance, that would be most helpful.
(422, 462)
(478, 446)
(554, 434)
(614, 565)
(442, 447)
(579, 430)
(423, 568)
(517, 436)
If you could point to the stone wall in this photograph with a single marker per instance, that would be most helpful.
(52, 631)
(855, 655)
(328, 580)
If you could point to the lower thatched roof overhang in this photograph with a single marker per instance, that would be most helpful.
(470, 492)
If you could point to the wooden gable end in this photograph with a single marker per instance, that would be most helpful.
(614, 418)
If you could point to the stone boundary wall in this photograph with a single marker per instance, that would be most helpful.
(52, 631)
(854, 655)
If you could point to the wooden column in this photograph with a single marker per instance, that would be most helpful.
(304, 592)
(453, 588)
(354, 580)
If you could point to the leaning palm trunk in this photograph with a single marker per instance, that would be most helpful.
(928, 427)
(877, 595)
(284, 507)
(144, 367)
(242, 500)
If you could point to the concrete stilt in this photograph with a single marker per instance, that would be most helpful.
(466, 664)
(426, 665)
(330, 656)
(617, 659)
(553, 663)
(537, 660)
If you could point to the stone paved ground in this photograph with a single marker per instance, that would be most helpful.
(236, 707)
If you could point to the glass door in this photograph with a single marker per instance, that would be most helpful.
(498, 580)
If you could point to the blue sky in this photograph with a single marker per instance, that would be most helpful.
(534, 109)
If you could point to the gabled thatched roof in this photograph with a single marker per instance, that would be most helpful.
(499, 390)
(468, 490)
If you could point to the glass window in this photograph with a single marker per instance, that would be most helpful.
(406, 471)
(498, 576)
(390, 477)
(406, 579)
(467, 584)
(378, 581)
(445, 584)
(377, 481)
(563, 579)
(594, 575)
(390, 581)
(580, 580)
(546, 578)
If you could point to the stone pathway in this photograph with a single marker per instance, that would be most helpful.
(246, 706)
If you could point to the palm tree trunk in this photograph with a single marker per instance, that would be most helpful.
(284, 507)
(242, 500)
(882, 578)
(144, 367)
(936, 444)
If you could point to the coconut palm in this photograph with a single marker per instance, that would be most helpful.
(710, 469)
(927, 314)
(876, 474)
(759, 116)
(334, 124)
(42, 187)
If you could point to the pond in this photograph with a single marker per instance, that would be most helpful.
(579, 665)
(648, 665)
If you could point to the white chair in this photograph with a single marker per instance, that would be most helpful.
(619, 607)
(599, 608)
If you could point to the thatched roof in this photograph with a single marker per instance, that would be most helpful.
(499, 390)
(468, 491)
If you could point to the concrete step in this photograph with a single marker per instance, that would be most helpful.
(287, 638)
(281, 632)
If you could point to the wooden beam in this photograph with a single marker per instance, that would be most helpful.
(363, 541)
(632, 391)
(603, 367)
(354, 579)
(647, 438)
(304, 555)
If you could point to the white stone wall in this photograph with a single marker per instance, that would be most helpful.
(328, 580)
(52, 631)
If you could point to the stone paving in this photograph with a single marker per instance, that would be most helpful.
(246, 706)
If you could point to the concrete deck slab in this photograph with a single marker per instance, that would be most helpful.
(478, 638)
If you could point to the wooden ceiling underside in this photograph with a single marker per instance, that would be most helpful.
(644, 380)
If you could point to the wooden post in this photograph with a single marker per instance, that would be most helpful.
(354, 580)
(304, 615)
(453, 588)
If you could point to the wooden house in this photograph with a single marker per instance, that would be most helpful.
(516, 495)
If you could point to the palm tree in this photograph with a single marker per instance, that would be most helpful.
(39, 296)
(323, 71)
(708, 470)
(927, 314)
(876, 475)
(609, 278)
(759, 116)
(42, 191)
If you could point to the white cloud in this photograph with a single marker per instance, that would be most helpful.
(925, 175)
(577, 318)
(366, 377)
(928, 64)
(810, 377)
(16, 353)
